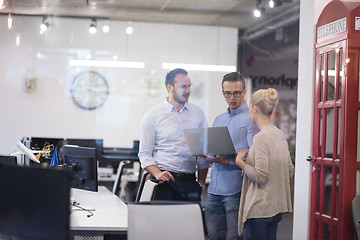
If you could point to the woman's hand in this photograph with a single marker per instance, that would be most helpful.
(240, 158)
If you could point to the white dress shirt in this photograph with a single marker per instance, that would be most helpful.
(162, 141)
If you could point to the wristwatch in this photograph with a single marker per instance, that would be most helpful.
(202, 186)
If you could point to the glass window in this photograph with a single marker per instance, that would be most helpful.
(322, 74)
(331, 76)
(339, 133)
(328, 187)
(320, 131)
(357, 182)
(337, 193)
(358, 138)
(329, 133)
(326, 231)
(317, 209)
(341, 72)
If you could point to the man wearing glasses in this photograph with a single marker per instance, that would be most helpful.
(223, 199)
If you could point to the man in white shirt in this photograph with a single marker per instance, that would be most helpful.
(163, 148)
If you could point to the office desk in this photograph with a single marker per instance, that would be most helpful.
(110, 215)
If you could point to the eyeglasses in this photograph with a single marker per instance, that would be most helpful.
(228, 94)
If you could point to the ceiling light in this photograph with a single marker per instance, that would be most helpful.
(129, 30)
(92, 28)
(199, 67)
(18, 39)
(106, 28)
(101, 63)
(259, 9)
(275, 3)
(2, 4)
(44, 26)
(10, 22)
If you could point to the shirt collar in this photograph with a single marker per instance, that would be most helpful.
(172, 108)
(238, 110)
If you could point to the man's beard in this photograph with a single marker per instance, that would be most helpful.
(179, 98)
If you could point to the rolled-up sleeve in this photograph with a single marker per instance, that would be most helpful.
(147, 140)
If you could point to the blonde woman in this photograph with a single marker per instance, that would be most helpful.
(267, 171)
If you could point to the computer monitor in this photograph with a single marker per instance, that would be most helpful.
(34, 203)
(83, 166)
(83, 142)
(8, 160)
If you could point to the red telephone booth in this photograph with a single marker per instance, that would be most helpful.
(336, 146)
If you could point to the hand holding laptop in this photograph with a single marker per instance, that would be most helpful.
(212, 141)
(222, 159)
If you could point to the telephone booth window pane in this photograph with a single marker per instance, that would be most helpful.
(326, 231)
(322, 77)
(317, 209)
(320, 131)
(358, 138)
(341, 77)
(357, 182)
(317, 230)
(331, 76)
(337, 193)
(328, 187)
(339, 133)
(329, 133)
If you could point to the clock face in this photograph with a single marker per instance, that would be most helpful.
(89, 90)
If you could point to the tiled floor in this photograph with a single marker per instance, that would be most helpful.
(285, 227)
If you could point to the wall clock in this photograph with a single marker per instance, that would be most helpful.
(89, 90)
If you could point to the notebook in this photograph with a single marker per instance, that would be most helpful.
(212, 141)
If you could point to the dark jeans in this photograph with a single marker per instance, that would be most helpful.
(261, 228)
(183, 189)
(221, 215)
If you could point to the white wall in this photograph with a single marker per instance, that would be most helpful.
(309, 13)
(304, 122)
(50, 111)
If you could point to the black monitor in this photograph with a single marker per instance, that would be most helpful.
(8, 160)
(34, 203)
(83, 166)
(93, 143)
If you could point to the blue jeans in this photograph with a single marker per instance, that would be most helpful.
(261, 228)
(221, 216)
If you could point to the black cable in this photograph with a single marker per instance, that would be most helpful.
(75, 204)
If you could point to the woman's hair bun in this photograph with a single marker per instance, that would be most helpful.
(272, 95)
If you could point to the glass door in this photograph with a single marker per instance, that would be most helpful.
(327, 142)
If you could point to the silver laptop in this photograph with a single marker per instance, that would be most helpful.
(212, 141)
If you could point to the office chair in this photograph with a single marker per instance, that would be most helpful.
(116, 187)
(147, 188)
(356, 215)
(176, 221)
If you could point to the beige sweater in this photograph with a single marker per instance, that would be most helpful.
(266, 184)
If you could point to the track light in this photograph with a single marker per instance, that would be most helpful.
(92, 28)
(129, 29)
(275, 3)
(106, 28)
(44, 26)
(10, 22)
(2, 4)
(259, 9)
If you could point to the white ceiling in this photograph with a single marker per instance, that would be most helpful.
(229, 13)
